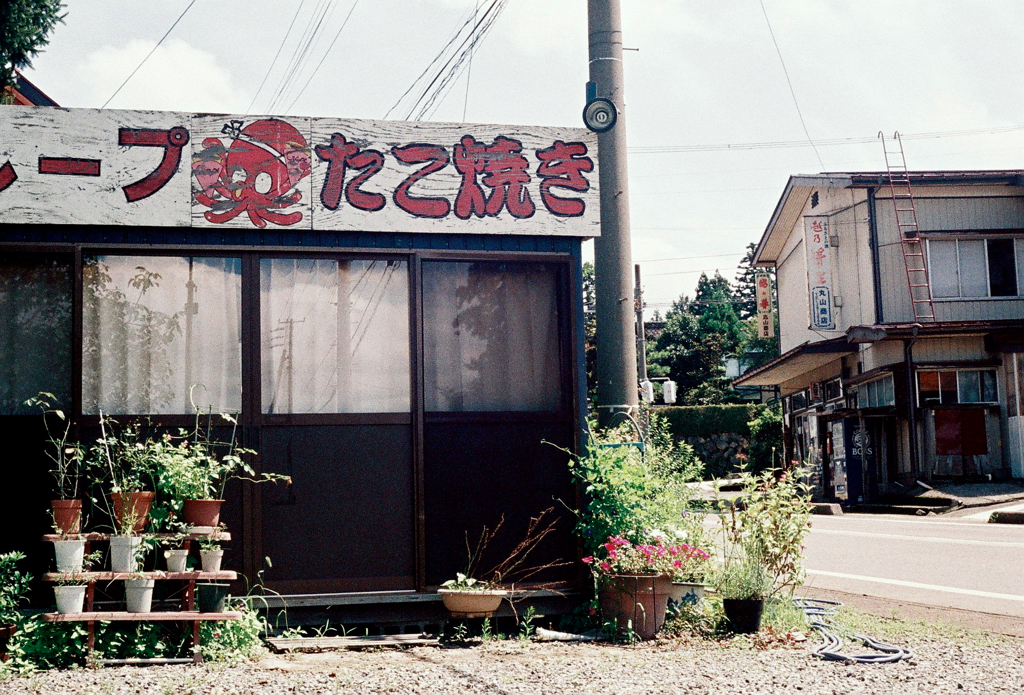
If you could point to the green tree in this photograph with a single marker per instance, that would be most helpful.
(590, 329)
(745, 292)
(24, 27)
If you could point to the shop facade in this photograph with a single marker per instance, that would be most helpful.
(391, 311)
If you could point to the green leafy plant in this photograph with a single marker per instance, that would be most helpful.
(13, 586)
(772, 523)
(743, 575)
(67, 456)
(526, 627)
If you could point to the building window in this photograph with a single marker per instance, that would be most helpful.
(161, 334)
(976, 268)
(953, 386)
(877, 393)
(335, 336)
(833, 389)
(35, 338)
(799, 401)
(490, 337)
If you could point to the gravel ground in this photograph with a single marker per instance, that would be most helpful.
(940, 665)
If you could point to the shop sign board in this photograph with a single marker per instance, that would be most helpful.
(153, 168)
(765, 314)
(819, 273)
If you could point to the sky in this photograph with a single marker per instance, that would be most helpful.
(723, 97)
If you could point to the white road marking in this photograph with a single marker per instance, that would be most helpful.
(894, 519)
(925, 539)
(985, 514)
(918, 585)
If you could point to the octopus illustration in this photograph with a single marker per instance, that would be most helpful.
(258, 173)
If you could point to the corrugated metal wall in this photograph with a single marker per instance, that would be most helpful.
(953, 214)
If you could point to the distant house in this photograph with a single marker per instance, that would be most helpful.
(881, 386)
(25, 93)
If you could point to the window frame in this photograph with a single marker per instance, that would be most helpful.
(938, 372)
(1018, 247)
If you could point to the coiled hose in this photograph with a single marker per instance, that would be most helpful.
(819, 613)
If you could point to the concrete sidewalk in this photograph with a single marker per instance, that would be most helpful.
(973, 495)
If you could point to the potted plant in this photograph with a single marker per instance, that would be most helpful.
(68, 458)
(176, 550)
(127, 460)
(211, 596)
(744, 582)
(194, 471)
(480, 596)
(138, 594)
(633, 584)
(69, 591)
(13, 592)
(210, 553)
(687, 568)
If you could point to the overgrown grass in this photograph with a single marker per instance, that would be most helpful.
(902, 631)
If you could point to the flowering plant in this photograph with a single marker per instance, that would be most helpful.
(681, 562)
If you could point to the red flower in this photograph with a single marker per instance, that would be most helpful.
(587, 560)
(606, 567)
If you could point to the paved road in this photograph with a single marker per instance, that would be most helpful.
(959, 562)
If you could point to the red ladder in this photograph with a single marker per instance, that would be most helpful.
(910, 234)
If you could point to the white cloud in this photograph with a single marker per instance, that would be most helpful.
(177, 77)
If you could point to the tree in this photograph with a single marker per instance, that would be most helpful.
(590, 329)
(745, 292)
(24, 26)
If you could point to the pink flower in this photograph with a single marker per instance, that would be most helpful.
(612, 555)
(587, 560)
(609, 546)
(606, 567)
(677, 563)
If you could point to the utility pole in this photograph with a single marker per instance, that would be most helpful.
(616, 343)
(641, 338)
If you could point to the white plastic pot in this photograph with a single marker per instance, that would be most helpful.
(176, 560)
(123, 553)
(71, 598)
(70, 555)
(211, 560)
(138, 595)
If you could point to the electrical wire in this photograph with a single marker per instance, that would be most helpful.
(276, 56)
(168, 33)
(785, 144)
(309, 34)
(326, 53)
(469, 68)
(790, 83)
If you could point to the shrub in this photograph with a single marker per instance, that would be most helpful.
(765, 450)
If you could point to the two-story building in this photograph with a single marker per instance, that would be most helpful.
(878, 389)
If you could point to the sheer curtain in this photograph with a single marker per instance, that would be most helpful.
(35, 330)
(161, 333)
(491, 337)
(335, 336)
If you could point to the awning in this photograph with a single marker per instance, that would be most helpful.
(800, 360)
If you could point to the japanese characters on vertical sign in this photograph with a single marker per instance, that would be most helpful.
(819, 273)
(83, 166)
(765, 314)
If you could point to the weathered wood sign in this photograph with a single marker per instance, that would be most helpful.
(86, 166)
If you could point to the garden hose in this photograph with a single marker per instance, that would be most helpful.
(819, 613)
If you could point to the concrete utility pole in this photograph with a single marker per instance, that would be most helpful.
(613, 262)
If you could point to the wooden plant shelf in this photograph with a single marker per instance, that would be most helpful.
(223, 576)
(153, 616)
(92, 537)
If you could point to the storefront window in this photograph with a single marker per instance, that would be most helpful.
(878, 393)
(950, 387)
(491, 337)
(335, 336)
(161, 335)
(35, 330)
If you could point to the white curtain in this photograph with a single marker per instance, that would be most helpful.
(335, 336)
(490, 337)
(161, 333)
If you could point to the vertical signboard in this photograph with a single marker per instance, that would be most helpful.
(819, 273)
(765, 315)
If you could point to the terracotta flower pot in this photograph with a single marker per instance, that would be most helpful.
(636, 601)
(138, 504)
(6, 632)
(472, 604)
(67, 516)
(201, 512)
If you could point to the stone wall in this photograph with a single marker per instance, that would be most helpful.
(720, 452)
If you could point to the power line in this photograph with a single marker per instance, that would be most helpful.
(326, 53)
(784, 144)
(184, 12)
(790, 83)
(276, 56)
(687, 258)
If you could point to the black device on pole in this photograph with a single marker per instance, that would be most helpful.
(600, 114)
